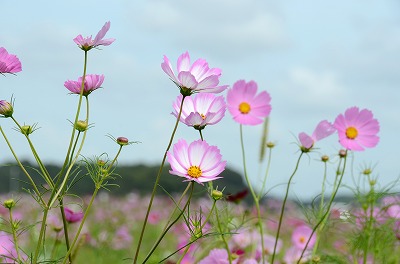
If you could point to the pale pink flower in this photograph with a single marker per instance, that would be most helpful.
(217, 256)
(87, 43)
(292, 255)
(300, 237)
(323, 130)
(9, 63)
(197, 162)
(72, 216)
(194, 78)
(122, 238)
(92, 82)
(202, 110)
(7, 248)
(357, 129)
(245, 105)
(392, 206)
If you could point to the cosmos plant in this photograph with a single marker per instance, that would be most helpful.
(323, 130)
(245, 105)
(197, 161)
(9, 63)
(357, 129)
(92, 82)
(200, 110)
(193, 78)
(88, 43)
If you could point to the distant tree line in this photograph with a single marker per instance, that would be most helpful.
(129, 178)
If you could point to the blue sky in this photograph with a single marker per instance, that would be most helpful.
(315, 58)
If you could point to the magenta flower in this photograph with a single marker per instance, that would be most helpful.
(92, 82)
(6, 109)
(9, 63)
(194, 78)
(357, 129)
(197, 162)
(392, 206)
(300, 237)
(323, 130)
(87, 43)
(217, 256)
(247, 107)
(204, 109)
(7, 248)
(71, 216)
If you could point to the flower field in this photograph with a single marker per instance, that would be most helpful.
(50, 223)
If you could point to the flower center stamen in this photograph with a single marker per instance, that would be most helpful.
(302, 239)
(203, 116)
(351, 133)
(194, 172)
(244, 108)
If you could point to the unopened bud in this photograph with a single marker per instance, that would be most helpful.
(367, 171)
(122, 141)
(9, 204)
(342, 153)
(270, 144)
(81, 125)
(324, 158)
(26, 130)
(101, 162)
(6, 109)
(216, 195)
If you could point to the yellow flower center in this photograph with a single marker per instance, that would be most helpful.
(351, 133)
(194, 172)
(244, 108)
(203, 116)
(302, 239)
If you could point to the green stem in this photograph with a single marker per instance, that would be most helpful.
(321, 209)
(223, 237)
(41, 235)
(261, 193)
(327, 210)
(156, 182)
(253, 193)
(369, 222)
(45, 173)
(14, 233)
(39, 196)
(191, 185)
(283, 207)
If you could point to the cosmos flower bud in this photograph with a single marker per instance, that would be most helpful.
(324, 158)
(9, 204)
(101, 162)
(216, 195)
(122, 141)
(270, 144)
(26, 130)
(6, 109)
(342, 153)
(81, 125)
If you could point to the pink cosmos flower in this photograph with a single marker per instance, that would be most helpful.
(323, 130)
(197, 162)
(300, 236)
(7, 248)
(9, 63)
(71, 216)
(247, 107)
(87, 43)
(92, 82)
(194, 78)
(357, 129)
(293, 254)
(204, 109)
(392, 206)
(217, 256)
